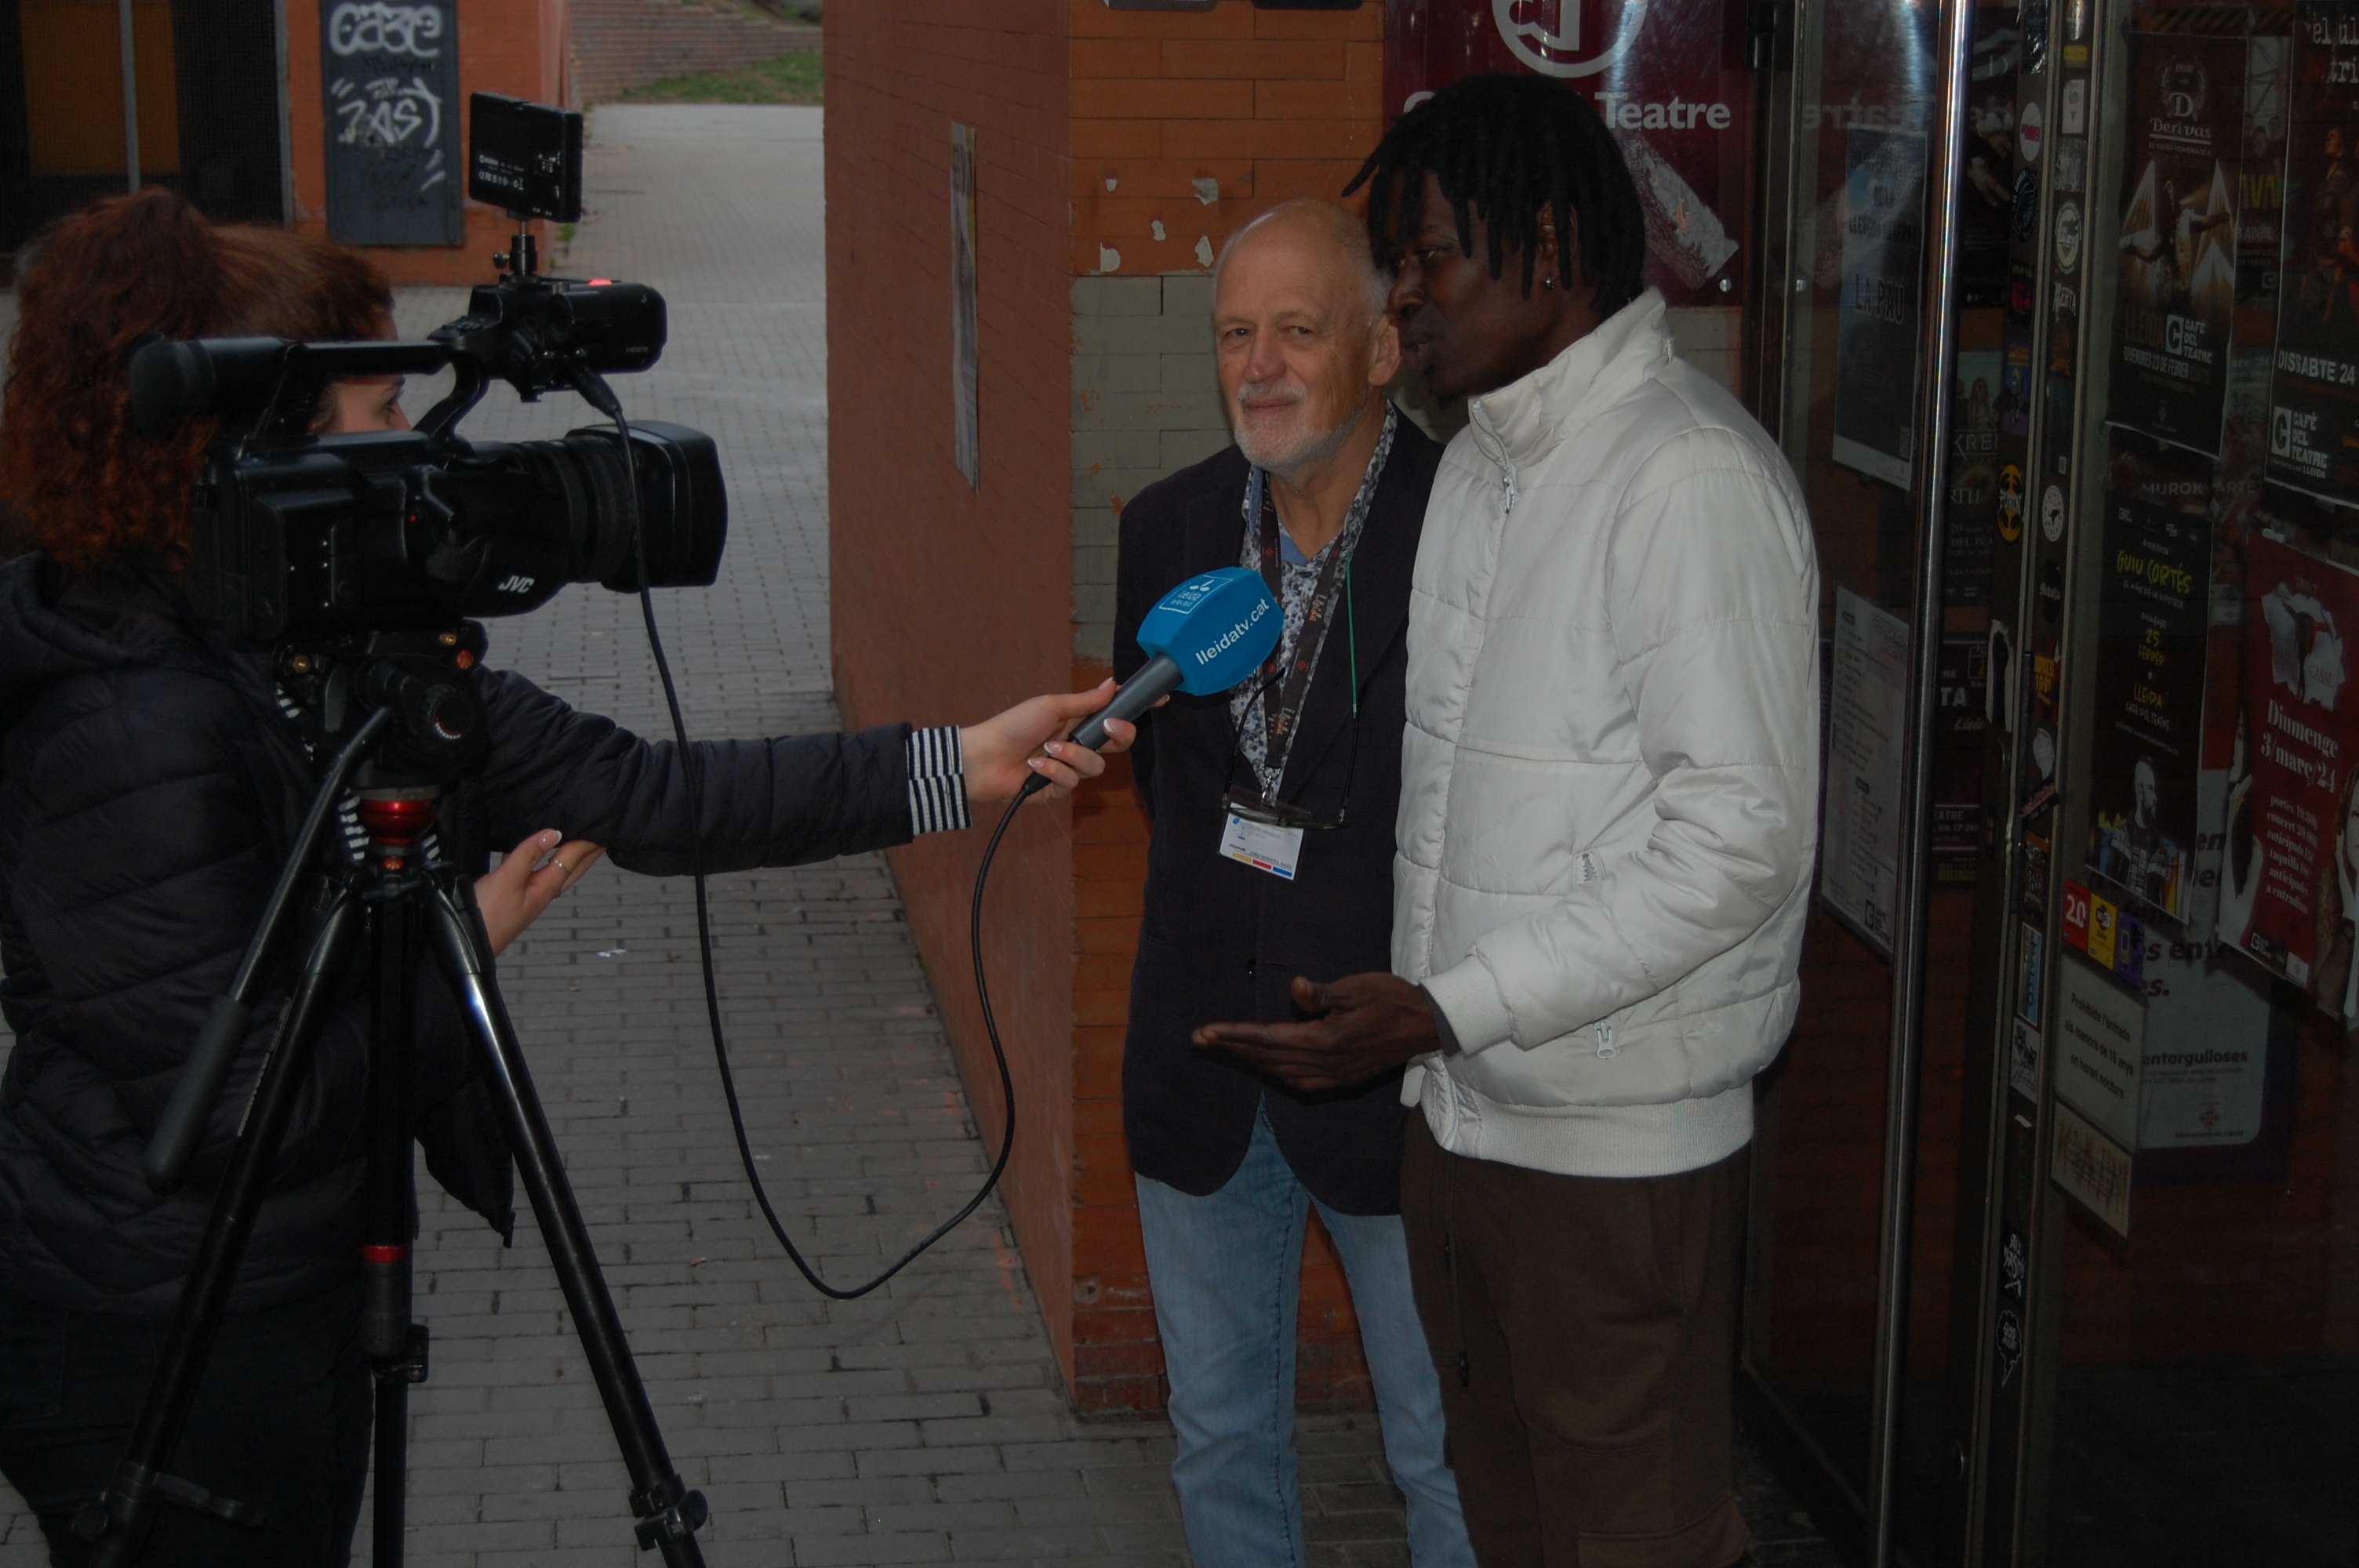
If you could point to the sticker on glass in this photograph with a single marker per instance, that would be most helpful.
(2068, 236)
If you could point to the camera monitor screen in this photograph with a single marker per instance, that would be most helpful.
(525, 157)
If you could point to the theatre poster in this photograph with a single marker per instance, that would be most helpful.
(2175, 297)
(1664, 76)
(2291, 868)
(2152, 615)
(2314, 411)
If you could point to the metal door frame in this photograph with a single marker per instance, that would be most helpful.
(1865, 1523)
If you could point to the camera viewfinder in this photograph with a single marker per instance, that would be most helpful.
(525, 157)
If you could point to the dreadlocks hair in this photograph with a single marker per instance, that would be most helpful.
(1506, 147)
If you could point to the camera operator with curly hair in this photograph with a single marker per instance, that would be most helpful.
(151, 785)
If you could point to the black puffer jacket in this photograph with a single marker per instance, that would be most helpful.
(149, 789)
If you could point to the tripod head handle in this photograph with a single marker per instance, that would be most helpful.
(181, 1127)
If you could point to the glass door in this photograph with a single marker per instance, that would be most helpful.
(1880, 367)
(2159, 1279)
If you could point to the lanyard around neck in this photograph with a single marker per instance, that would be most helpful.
(1284, 690)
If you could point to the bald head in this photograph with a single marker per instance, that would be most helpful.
(1321, 234)
(1304, 344)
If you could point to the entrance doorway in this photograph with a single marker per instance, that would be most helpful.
(206, 115)
(2056, 1244)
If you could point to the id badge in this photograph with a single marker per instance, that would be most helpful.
(1264, 846)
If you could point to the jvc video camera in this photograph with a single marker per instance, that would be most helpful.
(321, 540)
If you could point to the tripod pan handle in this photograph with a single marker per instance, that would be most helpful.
(193, 1098)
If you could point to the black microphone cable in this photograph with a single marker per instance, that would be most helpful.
(595, 391)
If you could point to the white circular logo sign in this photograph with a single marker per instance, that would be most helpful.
(2051, 512)
(1565, 53)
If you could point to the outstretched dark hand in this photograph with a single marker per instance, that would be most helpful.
(1369, 1024)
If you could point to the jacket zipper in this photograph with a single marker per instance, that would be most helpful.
(1487, 440)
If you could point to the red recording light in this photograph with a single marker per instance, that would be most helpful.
(600, 282)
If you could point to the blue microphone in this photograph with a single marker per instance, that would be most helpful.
(1206, 635)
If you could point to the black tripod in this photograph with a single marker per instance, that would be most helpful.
(420, 704)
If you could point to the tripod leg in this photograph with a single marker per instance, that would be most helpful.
(666, 1511)
(394, 1346)
(129, 1502)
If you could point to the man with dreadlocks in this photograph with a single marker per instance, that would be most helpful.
(1609, 791)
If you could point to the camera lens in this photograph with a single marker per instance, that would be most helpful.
(682, 518)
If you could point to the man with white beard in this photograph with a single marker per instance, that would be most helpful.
(1271, 855)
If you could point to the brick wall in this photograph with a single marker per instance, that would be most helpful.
(516, 47)
(1190, 123)
(621, 44)
(949, 602)
(1146, 401)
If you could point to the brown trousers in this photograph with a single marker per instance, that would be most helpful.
(1585, 1332)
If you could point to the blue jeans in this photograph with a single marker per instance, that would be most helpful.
(1227, 1273)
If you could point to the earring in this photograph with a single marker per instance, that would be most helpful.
(1547, 280)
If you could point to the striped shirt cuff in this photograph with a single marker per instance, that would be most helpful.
(937, 781)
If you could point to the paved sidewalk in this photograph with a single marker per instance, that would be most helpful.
(925, 1424)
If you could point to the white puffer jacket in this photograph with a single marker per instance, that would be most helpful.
(1610, 778)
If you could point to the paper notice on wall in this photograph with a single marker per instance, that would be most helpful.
(2207, 1045)
(2093, 1168)
(2100, 1049)
(1859, 866)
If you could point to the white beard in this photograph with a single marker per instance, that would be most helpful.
(1293, 450)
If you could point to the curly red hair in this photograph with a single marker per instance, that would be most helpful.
(85, 486)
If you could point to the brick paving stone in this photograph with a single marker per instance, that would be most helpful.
(824, 1432)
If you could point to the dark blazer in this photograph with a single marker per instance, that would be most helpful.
(1221, 940)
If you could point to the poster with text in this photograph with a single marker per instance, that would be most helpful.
(2175, 297)
(2153, 622)
(1971, 536)
(1961, 697)
(2292, 856)
(1875, 337)
(2260, 197)
(2314, 403)
(1859, 846)
(1668, 78)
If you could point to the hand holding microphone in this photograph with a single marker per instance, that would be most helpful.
(1203, 637)
(1005, 753)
